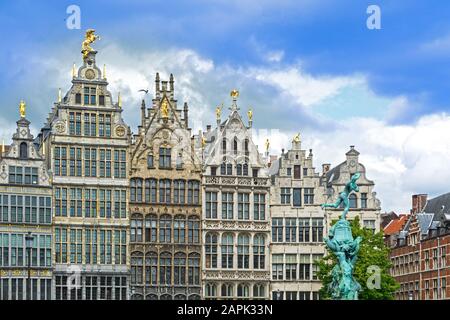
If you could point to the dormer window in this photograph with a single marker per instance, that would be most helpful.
(23, 152)
(90, 96)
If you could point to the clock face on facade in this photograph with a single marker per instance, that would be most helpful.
(352, 163)
(60, 127)
(120, 131)
(90, 74)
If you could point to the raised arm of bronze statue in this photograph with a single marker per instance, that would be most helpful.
(343, 196)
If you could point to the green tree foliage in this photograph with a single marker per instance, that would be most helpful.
(373, 252)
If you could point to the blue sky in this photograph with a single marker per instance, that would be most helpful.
(313, 64)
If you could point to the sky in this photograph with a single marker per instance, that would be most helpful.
(308, 66)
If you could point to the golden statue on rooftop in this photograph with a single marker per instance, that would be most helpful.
(89, 38)
(219, 111)
(296, 138)
(234, 93)
(22, 108)
(267, 145)
(250, 114)
(164, 109)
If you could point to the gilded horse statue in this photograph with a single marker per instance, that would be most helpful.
(86, 45)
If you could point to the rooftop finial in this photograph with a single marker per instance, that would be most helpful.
(104, 71)
(119, 100)
(73, 71)
(59, 95)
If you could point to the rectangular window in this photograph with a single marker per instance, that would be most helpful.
(165, 158)
(277, 267)
(291, 229)
(227, 205)
(291, 267)
(285, 195)
(304, 267)
(297, 172)
(303, 230)
(243, 206)
(363, 200)
(317, 230)
(277, 229)
(308, 195)
(259, 206)
(211, 205)
(297, 197)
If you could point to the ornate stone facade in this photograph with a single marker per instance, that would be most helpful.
(364, 203)
(86, 141)
(236, 229)
(25, 210)
(165, 202)
(299, 223)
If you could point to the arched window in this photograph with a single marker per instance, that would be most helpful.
(164, 190)
(242, 291)
(180, 269)
(211, 250)
(150, 163)
(166, 297)
(353, 201)
(227, 250)
(193, 229)
(259, 291)
(179, 191)
(152, 183)
(245, 169)
(179, 229)
(194, 297)
(180, 297)
(235, 146)
(226, 290)
(239, 169)
(147, 191)
(139, 190)
(165, 229)
(243, 251)
(151, 228)
(210, 290)
(151, 297)
(23, 152)
(151, 268)
(194, 269)
(137, 263)
(259, 251)
(136, 228)
(246, 147)
(165, 264)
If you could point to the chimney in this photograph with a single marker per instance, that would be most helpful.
(143, 112)
(325, 168)
(418, 202)
(157, 85)
(185, 116)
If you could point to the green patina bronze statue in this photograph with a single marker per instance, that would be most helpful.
(340, 240)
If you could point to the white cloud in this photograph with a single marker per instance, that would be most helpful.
(275, 56)
(401, 159)
(307, 90)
